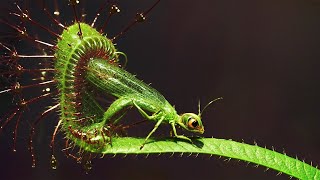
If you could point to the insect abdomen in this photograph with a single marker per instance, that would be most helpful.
(119, 83)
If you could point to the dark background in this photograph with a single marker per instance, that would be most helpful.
(261, 56)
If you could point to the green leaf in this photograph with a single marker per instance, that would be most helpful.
(212, 146)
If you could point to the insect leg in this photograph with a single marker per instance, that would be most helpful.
(152, 117)
(179, 136)
(143, 113)
(153, 130)
(115, 108)
(119, 118)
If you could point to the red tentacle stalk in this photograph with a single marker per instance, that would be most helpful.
(15, 132)
(19, 109)
(103, 6)
(140, 17)
(32, 130)
(58, 23)
(113, 10)
(22, 70)
(73, 3)
(24, 16)
(68, 154)
(17, 87)
(54, 136)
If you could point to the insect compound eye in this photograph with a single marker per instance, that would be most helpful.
(192, 123)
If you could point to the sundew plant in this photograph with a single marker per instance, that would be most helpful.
(68, 89)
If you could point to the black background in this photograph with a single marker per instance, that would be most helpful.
(261, 56)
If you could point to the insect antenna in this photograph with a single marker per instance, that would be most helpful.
(205, 107)
(140, 17)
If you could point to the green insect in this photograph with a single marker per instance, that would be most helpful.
(112, 80)
(130, 91)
